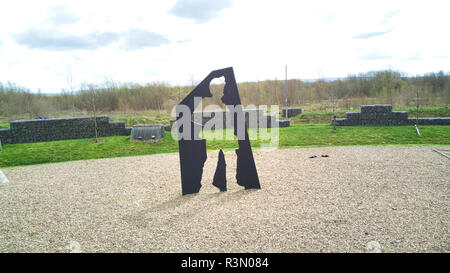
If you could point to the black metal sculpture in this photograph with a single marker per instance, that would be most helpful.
(192, 149)
(220, 176)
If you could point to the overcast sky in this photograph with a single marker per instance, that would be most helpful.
(42, 43)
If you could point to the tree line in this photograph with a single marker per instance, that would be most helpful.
(385, 86)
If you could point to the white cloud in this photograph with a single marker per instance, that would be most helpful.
(375, 56)
(368, 35)
(141, 38)
(201, 11)
(140, 41)
(389, 16)
(51, 39)
(61, 15)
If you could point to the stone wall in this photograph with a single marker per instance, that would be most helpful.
(382, 114)
(291, 112)
(23, 131)
(430, 121)
(5, 135)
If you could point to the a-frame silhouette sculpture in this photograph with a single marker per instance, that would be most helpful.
(193, 150)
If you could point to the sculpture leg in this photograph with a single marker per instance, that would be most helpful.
(220, 179)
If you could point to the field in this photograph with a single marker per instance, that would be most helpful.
(381, 185)
(294, 136)
(319, 113)
(313, 114)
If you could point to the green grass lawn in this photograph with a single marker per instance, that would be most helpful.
(294, 136)
(4, 125)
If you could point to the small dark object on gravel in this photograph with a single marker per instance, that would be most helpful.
(367, 233)
(324, 155)
(313, 156)
(394, 208)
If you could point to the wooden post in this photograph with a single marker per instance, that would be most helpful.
(417, 111)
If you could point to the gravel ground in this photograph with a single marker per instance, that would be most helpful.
(359, 199)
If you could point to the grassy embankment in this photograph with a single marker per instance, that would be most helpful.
(294, 136)
(312, 114)
(319, 117)
(4, 125)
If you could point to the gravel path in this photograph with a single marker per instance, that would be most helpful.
(394, 195)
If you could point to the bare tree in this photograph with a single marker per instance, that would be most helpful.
(89, 98)
(192, 80)
(332, 95)
(417, 111)
(333, 99)
(29, 100)
(70, 84)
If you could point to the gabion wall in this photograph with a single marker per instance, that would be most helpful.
(23, 131)
(291, 112)
(382, 114)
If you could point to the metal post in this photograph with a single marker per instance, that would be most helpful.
(285, 93)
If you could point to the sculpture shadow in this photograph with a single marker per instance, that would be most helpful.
(218, 197)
